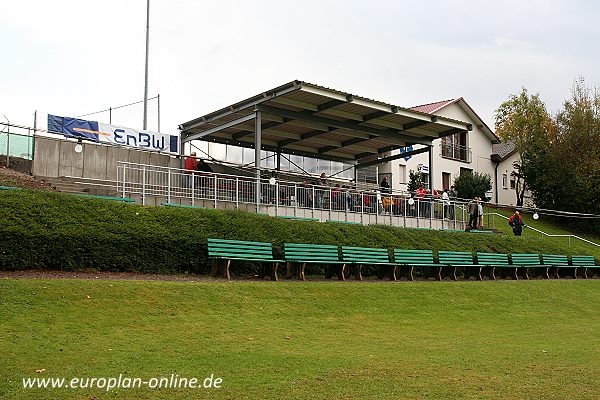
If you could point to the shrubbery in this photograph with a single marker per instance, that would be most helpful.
(56, 231)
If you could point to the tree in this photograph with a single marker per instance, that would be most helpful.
(469, 185)
(560, 156)
(523, 119)
(415, 179)
(575, 155)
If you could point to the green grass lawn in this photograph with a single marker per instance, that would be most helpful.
(317, 340)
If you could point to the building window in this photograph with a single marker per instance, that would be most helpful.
(505, 181)
(512, 183)
(465, 171)
(402, 174)
(455, 147)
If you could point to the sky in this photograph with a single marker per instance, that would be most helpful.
(71, 58)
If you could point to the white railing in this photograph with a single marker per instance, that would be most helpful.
(194, 188)
(544, 234)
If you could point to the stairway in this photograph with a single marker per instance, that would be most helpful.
(71, 184)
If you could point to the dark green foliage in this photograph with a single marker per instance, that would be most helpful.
(560, 155)
(469, 185)
(415, 179)
(48, 230)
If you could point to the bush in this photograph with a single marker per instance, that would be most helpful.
(48, 230)
(470, 185)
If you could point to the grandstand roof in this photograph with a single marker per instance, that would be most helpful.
(311, 120)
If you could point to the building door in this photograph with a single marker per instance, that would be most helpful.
(445, 180)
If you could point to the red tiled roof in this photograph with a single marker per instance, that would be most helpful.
(432, 107)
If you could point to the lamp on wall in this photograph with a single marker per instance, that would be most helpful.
(79, 146)
(536, 216)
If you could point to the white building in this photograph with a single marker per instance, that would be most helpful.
(478, 150)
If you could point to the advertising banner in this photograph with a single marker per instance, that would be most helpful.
(118, 135)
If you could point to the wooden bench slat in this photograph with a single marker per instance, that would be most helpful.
(243, 251)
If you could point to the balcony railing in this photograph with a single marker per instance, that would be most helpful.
(456, 152)
(283, 198)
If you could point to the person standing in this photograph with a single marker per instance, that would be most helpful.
(453, 196)
(320, 191)
(385, 186)
(479, 213)
(446, 203)
(421, 192)
(190, 165)
(516, 222)
(473, 213)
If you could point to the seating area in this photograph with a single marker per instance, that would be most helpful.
(345, 261)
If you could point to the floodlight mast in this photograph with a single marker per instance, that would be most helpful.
(145, 126)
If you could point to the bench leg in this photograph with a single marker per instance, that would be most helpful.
(274, 272)
(453, 273)
(226, 273)
(393, 273)
(438, 275)
(301, 271)
(410, 275)
(288, 271)
(342, 273)
(493, 273)
(515, 274)
(358, 274)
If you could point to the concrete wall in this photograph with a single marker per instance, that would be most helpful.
(57, 157)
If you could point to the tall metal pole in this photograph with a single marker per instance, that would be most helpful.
(34, 131)
(158, 101)
(257, 146)
(146, 69)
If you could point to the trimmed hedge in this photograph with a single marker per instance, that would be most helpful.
(45, 230)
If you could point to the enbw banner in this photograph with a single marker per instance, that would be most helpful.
(105, 133)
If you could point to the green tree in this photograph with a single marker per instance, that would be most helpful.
(469, 185)
(524, 120)
(415, 179)
(575, 154)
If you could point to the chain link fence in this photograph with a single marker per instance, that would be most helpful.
(16, 147)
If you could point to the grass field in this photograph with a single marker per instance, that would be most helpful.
(292, 340)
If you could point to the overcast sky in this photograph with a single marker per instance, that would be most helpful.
(70, 57)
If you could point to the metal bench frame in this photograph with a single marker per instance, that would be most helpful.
(237, 250)
(304, 253)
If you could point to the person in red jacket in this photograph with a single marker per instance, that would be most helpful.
(516, 221)
(190, 164)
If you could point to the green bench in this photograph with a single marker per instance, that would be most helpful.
(452, 260)
(302, 254)
(9, 188)
(555, 262)
(583, 263)
(492, 261)
(298, 218)
(236, 250)
(178, 205)
(524, 263)
(356, 257)
(343, 222)
(408, 260)
(121, 199)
